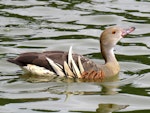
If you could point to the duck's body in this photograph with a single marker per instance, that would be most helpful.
(34, 62)
(59, 63)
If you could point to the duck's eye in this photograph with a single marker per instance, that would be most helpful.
(113, 32)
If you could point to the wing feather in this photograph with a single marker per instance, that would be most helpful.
(56, 68)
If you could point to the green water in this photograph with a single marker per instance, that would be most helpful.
(40, 25)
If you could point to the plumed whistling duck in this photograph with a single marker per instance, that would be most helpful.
(71, 65)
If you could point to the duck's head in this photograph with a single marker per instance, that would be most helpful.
(112, 35)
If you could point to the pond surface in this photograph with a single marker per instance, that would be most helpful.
(40, 25)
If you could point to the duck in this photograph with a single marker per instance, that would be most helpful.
(73, 65)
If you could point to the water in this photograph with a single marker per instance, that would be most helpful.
(40, 25)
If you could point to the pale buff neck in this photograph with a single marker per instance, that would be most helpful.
(108, 54)
(111, 65)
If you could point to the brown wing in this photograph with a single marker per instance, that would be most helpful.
(38, 59)
(24, 58)
(59, 57)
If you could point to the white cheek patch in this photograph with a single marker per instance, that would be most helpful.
(37, 70)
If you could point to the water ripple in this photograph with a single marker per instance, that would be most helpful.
(39, 25)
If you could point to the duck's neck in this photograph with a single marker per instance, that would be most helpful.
(111, 64)
(108, 54)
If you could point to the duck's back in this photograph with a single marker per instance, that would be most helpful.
(58, 57)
